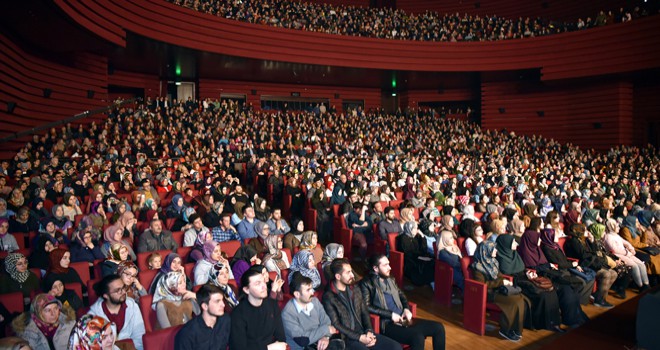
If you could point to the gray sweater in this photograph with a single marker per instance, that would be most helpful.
(297, 324)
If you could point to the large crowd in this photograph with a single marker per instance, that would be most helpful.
(197, 214)
(388, 23)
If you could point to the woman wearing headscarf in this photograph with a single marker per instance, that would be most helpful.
(19, 278)
(590, 257)
(174, 304)
(309, 242)
(197, 253)
(626, 252)
(645, 218)
(219, 276)
(212, 255)
(128, 221)
(546, 207)
(16, 199)
(323, 214)
(545, 303)
(418, 264)
(261, 209)
(4, 212)
(172, 263)
(297, 198)
(59, 269)
(630, 231)
(486, 270)
(292, 239)
(120, 208)
(47, 325)
(572, 217)
(619, 213)
(447, 224)
(93, 333)
(184, 222)
(176, 207)
(275, 260)
(244, 257)
(332, 251)
(128, 273)
(213, 218)
(22, 222)
(115, 235)
(37, 210)
(84, 248)
(259, 243)
(67, 297)
(449, 253)
(581, 279)
(595, 242)
(97, 214)
(304, 263)
(116, 254)
(533, 258)
(59, 219)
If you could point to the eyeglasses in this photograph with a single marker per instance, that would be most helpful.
(118, 291)
(129, 274)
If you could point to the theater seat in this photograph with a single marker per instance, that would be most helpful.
(148, 314)
(444, 277)
(160, 340)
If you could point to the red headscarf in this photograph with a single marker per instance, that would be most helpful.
(55, 257)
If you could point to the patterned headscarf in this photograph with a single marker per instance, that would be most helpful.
(301, 264)
(484, 261)
(306, 240)
(230, 296)
(115, 250)
(89, 333)
(167, 288)
(272, 243)
(409, 227)
(208, 249)
(10, 266)
(37, 307)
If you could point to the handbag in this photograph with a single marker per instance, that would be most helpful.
(543, 283)
(509, 290)
(587, 274)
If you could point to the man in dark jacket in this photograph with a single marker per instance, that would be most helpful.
(348, 312)
(155, 238)
(384, 298)
(209, 330)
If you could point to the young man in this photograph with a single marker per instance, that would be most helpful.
(190, 236)
(384, 298)
(209, 330)
(348, 312)
(389, 225)
(225, 232)
(256, 322)
(123, 312)
(305, 321)
(245, 227)
(278, 226)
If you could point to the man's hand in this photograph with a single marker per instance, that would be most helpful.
(322, 344)
(333, 330)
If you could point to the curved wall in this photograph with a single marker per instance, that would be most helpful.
(612, 49)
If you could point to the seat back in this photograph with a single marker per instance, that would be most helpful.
(82, 268)
(91, 293)
(177, 236)
(444, 277)
(142, 262)
(13, 302)
(396, 263)
(148, 314)
(184, 252)
(76, 287)
(160, 340)
(230, 247)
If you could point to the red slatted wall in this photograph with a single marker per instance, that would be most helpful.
(412, 98)
(150, 83)
(570, 112)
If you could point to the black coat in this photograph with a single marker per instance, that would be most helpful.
(350, 324)
(375, 299)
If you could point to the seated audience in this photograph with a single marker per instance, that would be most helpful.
(129, 275)
(174, 304)
(219, 276)
(47, 325)
(210, 329)
(418, 265)
(156, 238)
(93, 333)
(19, 278)
(276, 259)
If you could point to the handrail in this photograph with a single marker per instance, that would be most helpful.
(84, 114)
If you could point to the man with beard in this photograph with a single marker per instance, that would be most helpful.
(348, 312)
(123, 312)
(209, 330)
(384, 298)
(256, 322)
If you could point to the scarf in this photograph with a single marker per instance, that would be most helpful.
(409, 229)
(645, 217)
(230, 296)
(617, 213)
(36, 309)
(119, 318)
(306, 241)
(125, 219)
(175, 207)
(4, 221)
(3, 213)
(274, 253)
(484, 261)
(259, 229)
(10, 267)
(597, 230)
(630, 222)
(590, 216)
(89, 332)
(166, 289)
(548, 238)
(208, 249)
(571, 218)
(330, 253)
(114, 252)
(508, 259)
(167, 264)
(300, 264)
(447, 223)
(55, 257)
(529, 250)
(109, 233)
(446, 242)
(388, 285)
(244, 253)
(201, 239)
(131, 290)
